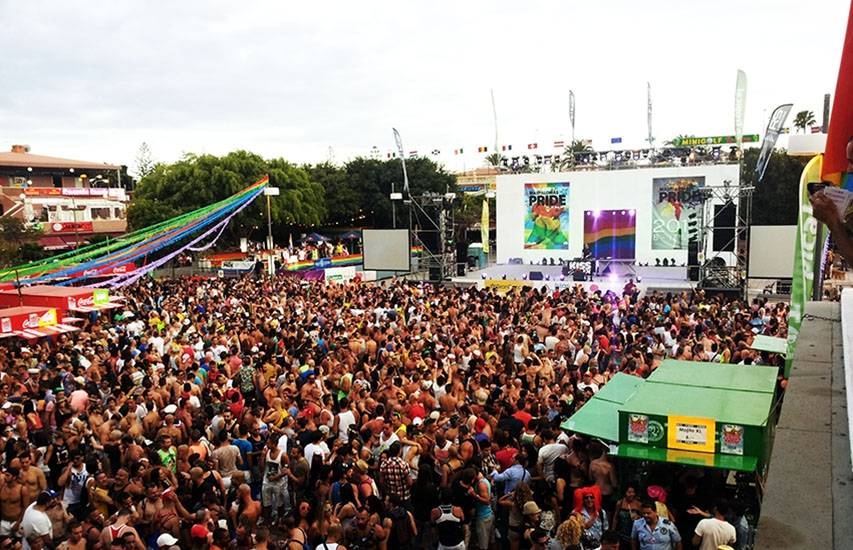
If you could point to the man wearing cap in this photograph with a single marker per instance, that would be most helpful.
(36, 522)
(166, 542)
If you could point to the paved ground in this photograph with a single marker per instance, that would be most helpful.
(809, 493)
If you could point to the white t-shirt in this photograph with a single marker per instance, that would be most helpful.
(345, 420)
(548, 454)
(35, 523)
(551, 342)
(310, 450)
(714, 533)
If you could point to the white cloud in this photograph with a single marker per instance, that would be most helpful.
(94, 79)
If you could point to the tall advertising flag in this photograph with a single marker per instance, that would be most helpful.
(484, 226)
(805, 248)
(572, 112)
(546, 219)
(774, 128)
(649, 113)
(399, 141)
(740, 106)
(841, 121)
(674, 200)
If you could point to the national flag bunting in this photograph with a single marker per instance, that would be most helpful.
(559, 144)
(413, 153)
(506, 147)
(457, 151)
(482, 149)
(532, 145)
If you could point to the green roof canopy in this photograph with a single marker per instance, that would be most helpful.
(773, 344)
(749, 408)
(748, 378)
(599, 417)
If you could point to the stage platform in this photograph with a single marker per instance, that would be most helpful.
(647, 278)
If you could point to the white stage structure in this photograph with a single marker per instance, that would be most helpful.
(600, 190)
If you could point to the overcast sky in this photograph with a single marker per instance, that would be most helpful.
(94, 79)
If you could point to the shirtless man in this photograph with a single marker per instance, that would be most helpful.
(603, 474)
(244, 507)
(75, 541)
(32, 478)
(14, 499)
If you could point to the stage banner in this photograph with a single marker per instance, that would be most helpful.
(673, 201)
(610, 234)
(546, 219)
(805, 248)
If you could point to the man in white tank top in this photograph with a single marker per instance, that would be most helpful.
(343, 420)
(274, 489)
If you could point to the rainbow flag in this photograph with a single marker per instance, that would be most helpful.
(835, 163)
(610, 233)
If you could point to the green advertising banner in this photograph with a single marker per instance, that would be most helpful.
(713, 140)
(805, 248)
(673, 201)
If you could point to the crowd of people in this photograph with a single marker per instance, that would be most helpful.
(276, 413)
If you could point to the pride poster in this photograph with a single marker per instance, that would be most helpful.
(610, 233)
(673, 201)
(546, 218)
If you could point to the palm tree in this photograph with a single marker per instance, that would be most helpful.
(495, 159)
(577, 146)
(803, 119)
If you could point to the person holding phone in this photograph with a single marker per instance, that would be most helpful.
(825, 211)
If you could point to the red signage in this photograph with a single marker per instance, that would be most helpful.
(114, 270)
(70, 227)
(72, 192)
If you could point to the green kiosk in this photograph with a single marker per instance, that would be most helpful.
(689, 414)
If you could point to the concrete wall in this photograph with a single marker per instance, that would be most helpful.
(595, 190)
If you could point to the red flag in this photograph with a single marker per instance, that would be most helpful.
(841, 121)
(532, 145)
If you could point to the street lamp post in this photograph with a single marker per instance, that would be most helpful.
(270, 192)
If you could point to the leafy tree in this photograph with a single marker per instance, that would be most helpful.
(495, 159)
(776, 199)
(804, 119)
(343, 202)
(197, 181)
(144, 164)
(17, 242)
(372, 179)
(568, 159)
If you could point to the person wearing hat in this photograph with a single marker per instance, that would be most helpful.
(166, 542)
(35, 522)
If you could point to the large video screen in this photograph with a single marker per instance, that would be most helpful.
(387, 250)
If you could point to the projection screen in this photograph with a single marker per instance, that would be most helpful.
(387, 250)
(771, 251)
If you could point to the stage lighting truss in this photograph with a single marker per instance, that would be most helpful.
(431, 225)
(715, 268)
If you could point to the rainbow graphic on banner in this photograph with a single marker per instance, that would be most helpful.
(611, 233)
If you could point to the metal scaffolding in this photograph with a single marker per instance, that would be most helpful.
(431, 226)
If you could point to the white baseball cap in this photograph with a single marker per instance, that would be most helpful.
(166, 540)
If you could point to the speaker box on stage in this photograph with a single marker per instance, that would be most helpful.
(536, 276)
(724, 227)
(435, 274)
(567, 270)
(579, 275)
(693, 260)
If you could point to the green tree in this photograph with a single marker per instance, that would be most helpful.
(372, 180)
(804, 119)
(775, 200)
(495, 159)
(144, 164)
(577, 146)
(17, 242)
(197, 181)
(343, 202)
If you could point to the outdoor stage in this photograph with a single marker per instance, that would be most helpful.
(647, 278)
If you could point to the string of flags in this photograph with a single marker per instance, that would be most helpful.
(483, 149)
